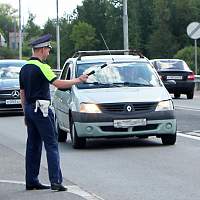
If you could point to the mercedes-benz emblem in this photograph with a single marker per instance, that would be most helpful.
(129, 108)
(15, 93)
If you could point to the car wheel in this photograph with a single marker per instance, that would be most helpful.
(168, 139)
(62, 135)
(77, 142)
(190, 95)
(177, 95)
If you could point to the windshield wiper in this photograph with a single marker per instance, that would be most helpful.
(137, 84)
(94, 71)
(104, 84)
(119, 84)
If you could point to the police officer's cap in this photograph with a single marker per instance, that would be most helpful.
(43, 41)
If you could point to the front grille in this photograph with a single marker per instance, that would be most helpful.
(136, 128)
(122, 107)
(7, 94)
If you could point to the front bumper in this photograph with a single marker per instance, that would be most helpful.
(102, 125)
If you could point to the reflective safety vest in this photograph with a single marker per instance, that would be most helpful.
(45, 68)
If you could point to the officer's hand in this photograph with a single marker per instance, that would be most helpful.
(83, 78)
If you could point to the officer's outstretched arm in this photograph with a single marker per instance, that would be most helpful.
(62, 84)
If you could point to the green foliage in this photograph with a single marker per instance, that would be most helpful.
(31, 29)
(106, 17)
(7, 20)
(162, 44)
(26, 49)
(188, 54)
(50, 27)
(67, 46)
(156, 27)
(140, 23)
(83, 36)
(6, 53)
(52, 58)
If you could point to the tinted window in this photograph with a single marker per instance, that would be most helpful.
(171, 64)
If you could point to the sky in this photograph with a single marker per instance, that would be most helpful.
(43, 9)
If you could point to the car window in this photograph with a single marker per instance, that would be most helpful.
(10, 70)
(171, 64)
(132, 74)
(64, 71)
(68, 76)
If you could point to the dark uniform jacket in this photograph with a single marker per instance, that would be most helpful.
(34, 79)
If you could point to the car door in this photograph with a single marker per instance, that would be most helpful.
(66, 99)
(59, 101)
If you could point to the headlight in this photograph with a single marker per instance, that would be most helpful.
(165, 105)
(89, 108)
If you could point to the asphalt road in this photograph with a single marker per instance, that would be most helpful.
(127, 169)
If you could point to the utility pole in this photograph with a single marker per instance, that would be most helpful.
(15, 34)
(125, 25)
(20, 32)
(57, 37)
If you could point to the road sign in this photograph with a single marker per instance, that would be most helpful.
(193, 30)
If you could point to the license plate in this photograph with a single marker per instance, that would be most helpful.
(129, 123)
(13, 101)
(174, 77)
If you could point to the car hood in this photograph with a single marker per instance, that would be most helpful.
(125, 94)
(9, 84)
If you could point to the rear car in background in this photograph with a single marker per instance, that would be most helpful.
(123, 97)
(178, 71)
(9, 85)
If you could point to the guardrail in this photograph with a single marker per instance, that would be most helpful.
(197, 82)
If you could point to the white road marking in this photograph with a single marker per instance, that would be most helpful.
(71, 188)
(186, 108)
(189, 136)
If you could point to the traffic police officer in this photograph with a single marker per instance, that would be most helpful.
(35, 77)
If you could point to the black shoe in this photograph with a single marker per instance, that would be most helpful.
(58, 187)
(39, 186)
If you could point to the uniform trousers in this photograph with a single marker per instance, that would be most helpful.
(41, 130)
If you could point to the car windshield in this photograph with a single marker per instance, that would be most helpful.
(10, 70)
(171, 64)
(134, 74)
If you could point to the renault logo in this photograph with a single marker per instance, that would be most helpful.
(15, 94)
(129, 108)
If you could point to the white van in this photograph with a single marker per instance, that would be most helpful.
(122, 97)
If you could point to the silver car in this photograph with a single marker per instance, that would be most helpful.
(122, 97)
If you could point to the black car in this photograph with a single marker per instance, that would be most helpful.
(9, 85)
(176, 70)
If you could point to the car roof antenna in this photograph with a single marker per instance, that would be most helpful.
(106, 46)
(105, 64)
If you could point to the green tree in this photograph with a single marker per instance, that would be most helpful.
(162, 42)
(83, 35)
(6, 53)
(140, 23)
(31, 29)
(188, 54)
(7, 20)
(67, 45)
(50, 27)
(106, 17)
